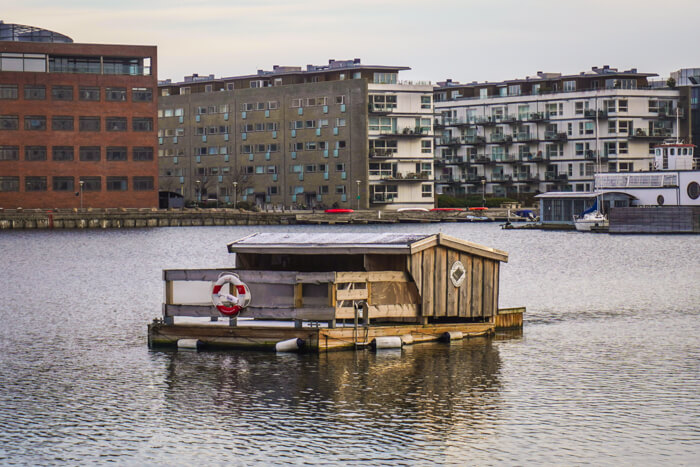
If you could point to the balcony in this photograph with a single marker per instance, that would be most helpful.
(451, 141)
(537, 157)
(381, 153)
(670, 113)
(555, 136)
(501, 139)
(590, 113)
(657, 133)
(539, 117)
(474, 140)
(526, 177)
(524, 137)
(408, 177)
(380, 109)
(556, 177)
(382, 198)
(410, 132)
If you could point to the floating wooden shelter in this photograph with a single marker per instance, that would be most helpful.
(335, 291)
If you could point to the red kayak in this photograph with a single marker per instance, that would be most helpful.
(478, 209)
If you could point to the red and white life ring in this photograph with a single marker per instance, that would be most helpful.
(240, 300)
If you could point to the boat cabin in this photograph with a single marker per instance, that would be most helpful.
(674, 156)
(331, 277)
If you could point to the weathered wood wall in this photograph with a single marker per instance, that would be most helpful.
(476, 297)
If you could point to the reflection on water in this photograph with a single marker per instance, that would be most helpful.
(606, 370)
(388, 406)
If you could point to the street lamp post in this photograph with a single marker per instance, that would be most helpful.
(199, 192)
(358, 193)
(235, 193)
(81, 182)
(483, 192)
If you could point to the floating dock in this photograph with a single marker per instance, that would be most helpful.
(340, 291)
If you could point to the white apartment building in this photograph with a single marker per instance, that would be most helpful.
(401, 153)
(550, 132)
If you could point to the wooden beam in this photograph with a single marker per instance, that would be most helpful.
(421, 245)
(352, 294)
(451, 290)
(440, 273)
(473, 248)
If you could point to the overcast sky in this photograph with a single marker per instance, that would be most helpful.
(464, 40)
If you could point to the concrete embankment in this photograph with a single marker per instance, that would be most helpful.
(139, 218)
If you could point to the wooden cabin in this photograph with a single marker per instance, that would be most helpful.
(332, 281)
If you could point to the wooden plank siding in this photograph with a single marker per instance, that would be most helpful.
(477, 286)
(441, 280)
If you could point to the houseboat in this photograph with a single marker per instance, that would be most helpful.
(332, 291)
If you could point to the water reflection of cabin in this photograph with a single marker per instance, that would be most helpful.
(319, 283)
(561, 207)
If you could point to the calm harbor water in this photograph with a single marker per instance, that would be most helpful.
(606, 371)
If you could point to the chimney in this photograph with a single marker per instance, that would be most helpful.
(356, 61)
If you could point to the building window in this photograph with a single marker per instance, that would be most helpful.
(117, 183)
(62, 93)
(116, 153)
(91, 183)
(89, 93)
(142, 123)
(63, 184)
(9, 184)
(35, 93)
(143, 183)
(426, 146)
(62, 153)
(142, 94)
(340, 189)
(58, 64)
(62, 123)
(115, 123)
(9, 122)
(385, 78)
(426, 191)
(35, 122)
(89, 123)
(35, 153)
(8, 91)
(622, 105)
(89, 153)
(143, 153)
(9, 153)
(35, 184)
(115, 94)
(569, 85)
(513, 90)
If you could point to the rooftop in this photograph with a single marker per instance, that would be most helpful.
(22, 33)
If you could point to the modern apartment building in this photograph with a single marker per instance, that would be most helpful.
(77, 122)
(551, 132)
(342, 135)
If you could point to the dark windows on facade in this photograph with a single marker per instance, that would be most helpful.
(115, 94)
(9, 184)
(35, 122)
(143, 183)
(62, 153)
(62, 123)
(89, 153)
(142, 153)
(35, 153)
(9, 153)
(115, 123)
(116, 153)
(37, 93)
(142, 94)
(142, 123)
(34, 183)
(63, 184)
(62, 93)
(89, 123)
(89, 93)
(91, 183)
(59, 64)
(9, 122)
(8, 91)
(117, 183)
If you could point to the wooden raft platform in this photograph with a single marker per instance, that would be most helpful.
(316, 339)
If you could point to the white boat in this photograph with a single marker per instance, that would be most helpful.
(591, 219)
(588, 222)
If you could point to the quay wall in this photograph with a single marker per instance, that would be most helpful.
(18, 219)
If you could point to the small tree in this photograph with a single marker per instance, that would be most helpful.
(671, 83)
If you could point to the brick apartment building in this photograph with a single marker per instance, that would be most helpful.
(76, 118)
